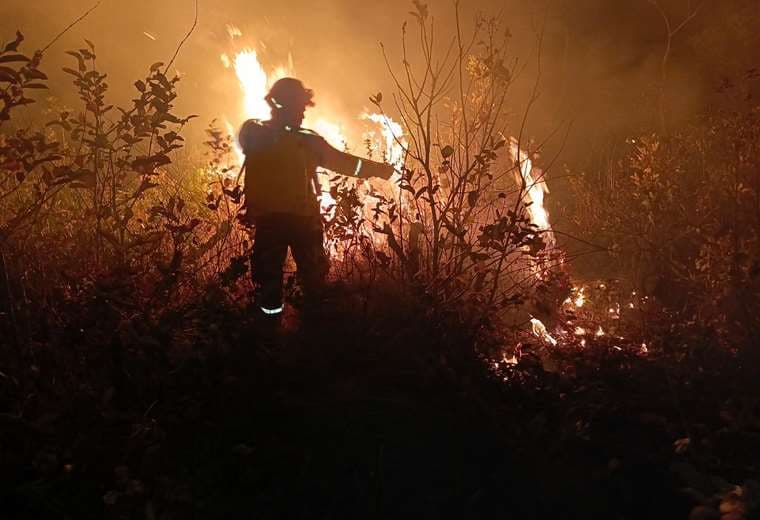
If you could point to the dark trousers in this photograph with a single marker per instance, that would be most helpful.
(274, 233)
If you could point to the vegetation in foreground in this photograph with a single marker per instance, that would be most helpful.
(135, 383)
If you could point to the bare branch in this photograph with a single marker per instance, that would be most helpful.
(70, 26)
(195, 24)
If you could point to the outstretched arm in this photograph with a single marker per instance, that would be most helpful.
(351, 165)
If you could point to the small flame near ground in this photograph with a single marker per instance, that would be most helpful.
(590, 318)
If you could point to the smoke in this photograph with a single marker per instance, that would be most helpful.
(599, 61)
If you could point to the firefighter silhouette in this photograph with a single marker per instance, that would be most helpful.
(281, 189)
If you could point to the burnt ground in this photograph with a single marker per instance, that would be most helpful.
(357, 412)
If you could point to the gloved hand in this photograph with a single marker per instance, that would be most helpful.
(385, 172)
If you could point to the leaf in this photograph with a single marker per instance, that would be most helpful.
(13, 46)
(447, 151)
(35, 74)
(161, 159)
(172, 118)
(472, 198)
(10, 58)
(80, 60)
(422, 10)
(8, 74)
(72, 72)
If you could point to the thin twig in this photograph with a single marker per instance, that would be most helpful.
(70, 26)
(195, 24)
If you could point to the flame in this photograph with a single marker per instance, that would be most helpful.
(393, 135)
(332, 132)
(580, 298)
(255, 81)
(539, 330)
(535, 188)
(512, 360)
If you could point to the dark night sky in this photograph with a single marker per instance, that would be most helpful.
(600, 56)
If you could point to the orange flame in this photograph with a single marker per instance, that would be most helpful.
(255, 81)
(534, 189)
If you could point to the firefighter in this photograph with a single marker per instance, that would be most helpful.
(281, 189)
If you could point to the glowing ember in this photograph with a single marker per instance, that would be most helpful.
(510, 360)
(580, 298)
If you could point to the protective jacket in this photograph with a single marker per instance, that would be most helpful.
(280, 168)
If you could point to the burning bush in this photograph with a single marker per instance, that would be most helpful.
(464, 221)
(105, 223)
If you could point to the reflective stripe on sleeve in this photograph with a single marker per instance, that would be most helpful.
(272, 311)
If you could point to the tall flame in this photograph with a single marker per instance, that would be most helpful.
(255, 81)
(534, 189)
